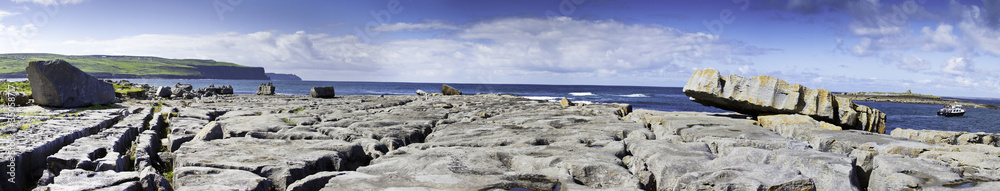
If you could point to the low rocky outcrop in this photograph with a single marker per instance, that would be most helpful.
(763, 95)
(476, 142)
(15, 98)
(265, 89)
(448, 90)
(187, 91)
(322, 92)
(57, 83)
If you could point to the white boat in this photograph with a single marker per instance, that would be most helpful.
(951, 110)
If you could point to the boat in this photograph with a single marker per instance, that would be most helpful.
(951, 110)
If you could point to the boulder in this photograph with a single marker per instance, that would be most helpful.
(56, 83)
(265, 89)
(448, 90)
(322, 92)
(151, 180)
(226, 90)
(15, 98)
(421, 92)
(769, 95)
(184, 87)
(164, 91)
(211, 131)
(565, 103)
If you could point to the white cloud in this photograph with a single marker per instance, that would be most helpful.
(911, 63)
(939, 39)
(7, 14)
(958, 66)
(511, 50)
(51, 2)
(976, 24)
(430, 25)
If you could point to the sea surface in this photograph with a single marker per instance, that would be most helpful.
(899, 115)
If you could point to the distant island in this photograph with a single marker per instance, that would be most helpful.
(909, 97)
(283, 77)
(126, 67)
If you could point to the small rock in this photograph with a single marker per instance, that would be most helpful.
(421, 92)
(151, 180)
(565, 103)
(448, 90)
(211, 131)
(16, 98)
(322, 92)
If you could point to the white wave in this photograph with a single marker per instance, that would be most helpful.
(581, 94)
(634, 95)
(546, 98)
(584, 102)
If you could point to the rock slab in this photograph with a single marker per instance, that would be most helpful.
(769, 95)
(322, 92)
(56, 83)
(448, 90)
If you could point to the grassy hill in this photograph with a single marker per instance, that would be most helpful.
(12, 65)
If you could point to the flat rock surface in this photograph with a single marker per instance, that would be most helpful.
(471, 142)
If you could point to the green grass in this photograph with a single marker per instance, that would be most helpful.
(123, 89)
(18, 86)
(26, 126)
(131, 65)
(289, 122)
(169, 175)
(99, 107)
(298, 110)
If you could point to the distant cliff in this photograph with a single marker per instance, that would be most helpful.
(283, 77)
(107, 66)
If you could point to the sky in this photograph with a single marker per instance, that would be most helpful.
(947, 48)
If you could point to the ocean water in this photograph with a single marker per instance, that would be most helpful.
(899, 115)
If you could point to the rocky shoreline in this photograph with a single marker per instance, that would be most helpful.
(914, 99)
(469, 142)
(786, 137)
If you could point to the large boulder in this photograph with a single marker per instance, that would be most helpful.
(322, 92)
(56, 83)
(448, 90)
(769, 95)
(265, 89)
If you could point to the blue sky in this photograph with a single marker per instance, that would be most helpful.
(946, 48)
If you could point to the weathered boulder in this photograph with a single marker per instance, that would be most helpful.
(56, 83)
(322, 92)
(164, 91)
(265, 89)
(769, 95)
(448, 90)
(15, 98)
(565, 103)
(421, 92)
(226, 90)
(151, 180)
(211, 131)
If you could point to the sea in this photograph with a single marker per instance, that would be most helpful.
(899, 115)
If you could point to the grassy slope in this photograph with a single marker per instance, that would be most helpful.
(134, 65)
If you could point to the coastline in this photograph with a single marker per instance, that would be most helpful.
(934, 100)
